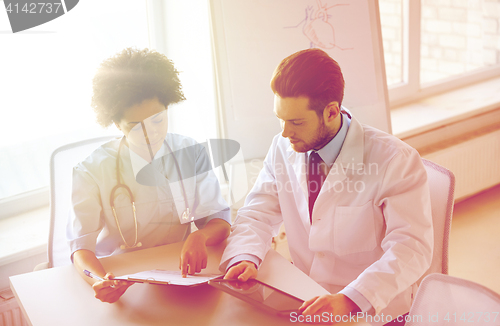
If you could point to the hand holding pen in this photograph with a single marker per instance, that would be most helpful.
(106, 289)
(97, 277)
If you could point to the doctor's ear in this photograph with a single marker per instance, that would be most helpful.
(331, 111)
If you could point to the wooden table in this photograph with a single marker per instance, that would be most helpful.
(59, 296)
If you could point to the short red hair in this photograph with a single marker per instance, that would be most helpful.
(311, 73)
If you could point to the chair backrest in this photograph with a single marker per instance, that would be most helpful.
(62, 161)
(442, 189)
(447, 300)
(243, 175)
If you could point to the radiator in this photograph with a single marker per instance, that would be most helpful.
(10, 313)
(475, 163)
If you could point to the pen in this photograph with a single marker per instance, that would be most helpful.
(92, 275)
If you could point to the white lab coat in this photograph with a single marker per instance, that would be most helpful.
(159, 208)
(371, 228)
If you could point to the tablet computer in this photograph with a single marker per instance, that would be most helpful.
(260, 294)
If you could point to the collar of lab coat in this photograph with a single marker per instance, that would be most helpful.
(138, 162)
(349, 158)
(351, 154)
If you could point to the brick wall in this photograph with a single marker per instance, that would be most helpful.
(456, 36)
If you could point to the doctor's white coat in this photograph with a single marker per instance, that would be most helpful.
(371, 224)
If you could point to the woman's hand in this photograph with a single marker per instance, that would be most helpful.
(194, 254)
(110, 290)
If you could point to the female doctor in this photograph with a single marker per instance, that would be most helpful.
(144, 189)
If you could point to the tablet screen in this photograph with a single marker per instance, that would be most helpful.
(259, 294)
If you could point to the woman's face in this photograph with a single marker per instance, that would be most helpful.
(145, 125)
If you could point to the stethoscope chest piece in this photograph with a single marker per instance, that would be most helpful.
(125, 246)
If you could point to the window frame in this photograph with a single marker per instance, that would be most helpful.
(157, 39)
(24, 202)
(33, 199)
(410, 89)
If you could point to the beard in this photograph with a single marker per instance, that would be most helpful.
(320, 138)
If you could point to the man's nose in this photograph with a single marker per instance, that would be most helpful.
(287, 131)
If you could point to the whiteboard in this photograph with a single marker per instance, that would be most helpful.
(250, 39)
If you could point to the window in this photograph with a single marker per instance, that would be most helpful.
(182, 32)
(46, 78)
(47, 73)
(433, 46)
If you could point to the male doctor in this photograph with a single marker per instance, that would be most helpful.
(354, 200)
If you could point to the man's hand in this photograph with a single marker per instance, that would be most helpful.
(336, 304)
(242, 271)
(193, 254)
(110, 290)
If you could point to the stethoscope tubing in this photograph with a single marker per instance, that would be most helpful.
(119, 185)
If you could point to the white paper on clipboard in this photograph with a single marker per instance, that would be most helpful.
(158, 276)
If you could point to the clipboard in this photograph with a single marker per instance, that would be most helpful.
(159, 276)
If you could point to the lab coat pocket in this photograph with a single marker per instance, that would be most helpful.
(354, 229)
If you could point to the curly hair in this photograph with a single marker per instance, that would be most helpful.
(311, 73)
(129, 78)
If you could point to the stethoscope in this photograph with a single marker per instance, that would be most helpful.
(119, 184)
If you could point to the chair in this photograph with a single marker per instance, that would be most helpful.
(447, 300)
(442, 188)
(62, 161)
(242, 176)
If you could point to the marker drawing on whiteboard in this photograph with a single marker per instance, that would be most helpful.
(317, 27)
